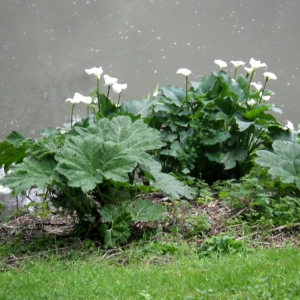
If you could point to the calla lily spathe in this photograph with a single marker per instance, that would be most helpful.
(289, 125)
(251, 102)
(269, 75)
(222, 64)
(79, 98)
(237, 64)
(255, 64)
(118, 88)
(109, 81)
(256, 85)
(184, 71)
(95, 71)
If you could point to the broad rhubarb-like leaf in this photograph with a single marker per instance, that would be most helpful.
(30, 173)
(284, 162)
(117, 226)
(144, 210)
(110, 149)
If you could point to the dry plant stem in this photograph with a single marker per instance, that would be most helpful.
(236, 215)
(271, 230)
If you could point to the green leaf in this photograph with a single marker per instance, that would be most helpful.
(255, 111)
(15, 138)
(130, 135)
(139, 107)
(230, 158)
(243, 83)
(117, 228)
(111, 149)
(175, 94)
(107, 107)
(167, 183)
(218, 137)
(46, 146)
(283, 163)
(242, 123)
(10, 154)
(144, 210)
(31, 173)
(86, 160)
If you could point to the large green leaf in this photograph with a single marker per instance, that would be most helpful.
(284, 162)
(118, 220)
(138, 107)
(129, 135)
(15, 138)
(144, 210)
(111, 149)
(46, 146)
(242, 123)
(85, 160)
(31, 173)
(167, 183)
(10, 154)
(230, 158)
(175, 94)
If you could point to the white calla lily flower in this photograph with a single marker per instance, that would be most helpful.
(222, 64)
(251, 102)
(118, 88)
(95, 71)
(255, 64)
(269, 75)
(289, 125)
(248, 70)
(79, 98)
(256, 85)
(109, 81)
(184, 71)
(266, 98)
(237, 64)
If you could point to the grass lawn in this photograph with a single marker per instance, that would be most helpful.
(255, 274)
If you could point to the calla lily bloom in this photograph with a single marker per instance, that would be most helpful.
(289, 125)
(108, 81)
(222, 64)
(251, 102)
(266, 98)
(269, 75)
(255, 64)
(185, 72)
(256, 85)
(77, 98)
(155, 92)
(248, 70)
(237, 64)
(95, 71)
(117, 87)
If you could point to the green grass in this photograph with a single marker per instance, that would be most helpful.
(260, 274)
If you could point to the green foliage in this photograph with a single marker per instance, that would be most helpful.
(212, 130)
(91, 168)
(220, 244)
(261, 199)
(283, 163)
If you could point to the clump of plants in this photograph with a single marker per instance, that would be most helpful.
(104, 165)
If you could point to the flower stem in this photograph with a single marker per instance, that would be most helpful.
(186, 88)
(251, 77)
(73, 105)
(98, 94)
(108, 91)
(234, 73)
(262, 91)
(119, 99)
